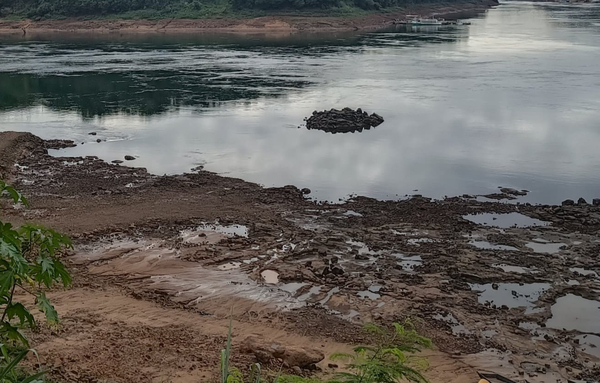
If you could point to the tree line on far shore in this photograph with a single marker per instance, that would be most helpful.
(44, 9)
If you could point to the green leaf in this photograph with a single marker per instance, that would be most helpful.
(9, 368)
(47, 308)
(19, 311)
(34, 378)
(7, 279)
(7, 331)
(62, 273)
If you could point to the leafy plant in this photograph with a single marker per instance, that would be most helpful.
(29, 261)
(387, 361)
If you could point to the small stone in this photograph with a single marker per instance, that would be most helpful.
(596, 202)
(98, 140)
(581, 201)
(129, 158)
(297, 370)
(495, 286)
(305, 191)
(568, 202)
(332, 365)
(92, 133)
(117, 162)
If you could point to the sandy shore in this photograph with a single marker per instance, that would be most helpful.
(160, 261)
(276, 24)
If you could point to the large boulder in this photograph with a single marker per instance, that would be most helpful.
(292, 356)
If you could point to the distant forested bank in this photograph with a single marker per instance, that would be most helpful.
(152, 9)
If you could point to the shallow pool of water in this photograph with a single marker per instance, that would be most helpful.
(511, 294)
(409, 262)
(504, 221)
(515, 269)
(573, 312)
(546, 247)
(270, 276)
(490, 246)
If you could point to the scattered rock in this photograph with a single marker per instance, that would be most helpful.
(129, 158)
(59, 144)
(568, 202)
(98, 140)
(343, 121)
(293, 356)
(514, 192)
(305, 191)
(332, 365)
(117, 162)
(92, 133)
(596, 202)
(581, 201)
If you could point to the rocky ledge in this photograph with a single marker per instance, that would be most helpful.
(343, 121)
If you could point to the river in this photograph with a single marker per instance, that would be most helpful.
(511, 100)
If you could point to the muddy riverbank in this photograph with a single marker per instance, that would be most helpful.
(164, 260)
(272, 24)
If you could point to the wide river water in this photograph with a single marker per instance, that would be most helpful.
(511, 100)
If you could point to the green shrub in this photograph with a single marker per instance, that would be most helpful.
(388, 361)
(29, 261)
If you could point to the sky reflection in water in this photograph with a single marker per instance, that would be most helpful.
(512, 100)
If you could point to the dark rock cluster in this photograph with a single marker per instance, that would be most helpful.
(343, 121)
(59, 144)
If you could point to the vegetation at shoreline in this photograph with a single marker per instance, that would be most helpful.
(29, 263)
(389, 360)
(195, 9)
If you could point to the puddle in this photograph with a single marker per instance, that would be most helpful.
(372, 293)
(504, 220)
(457, 327)
(488, 334)
(292, 287)
(417, 241)
(484, 245)
(590, 344)
(229, 266)
(313, 291)
(582, 271)
(352, 213)
(230, 231)
(573, 282)
(363, 249)
(511, 294)
(529, 326)
(408, 263)
(212, 233)
(515, 269)
(329, 295)
(351, 314)
(547, 247)
(573, 312)
(270, 276)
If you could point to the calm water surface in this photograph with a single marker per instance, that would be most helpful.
(511, 100)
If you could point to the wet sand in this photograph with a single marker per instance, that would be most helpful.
(161, 262)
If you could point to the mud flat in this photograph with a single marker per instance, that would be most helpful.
(161, 262)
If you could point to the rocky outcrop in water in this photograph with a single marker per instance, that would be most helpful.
(343, 121)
